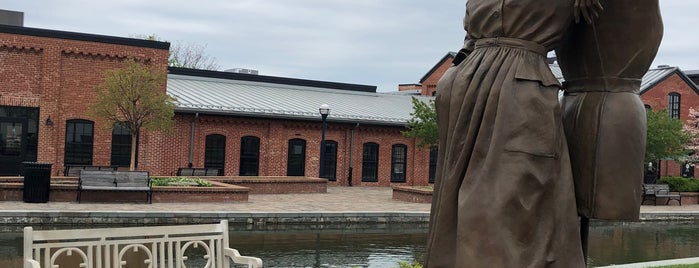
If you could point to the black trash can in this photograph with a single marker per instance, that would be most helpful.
(37, 182)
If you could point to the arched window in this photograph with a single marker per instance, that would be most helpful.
(79, 142)
(370, 162)
(399, 155)
(296, 159)
(648, 108)
(330, 161)
(121, 146)
(433, 163)
(249, 156)
(215, 152)
(673, 105)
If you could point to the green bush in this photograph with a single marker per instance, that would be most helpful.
(180, 180)
(679, 184)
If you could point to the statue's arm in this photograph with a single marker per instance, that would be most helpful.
(588, 9)
(464, 52)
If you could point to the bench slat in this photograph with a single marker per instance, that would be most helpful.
(111, 180)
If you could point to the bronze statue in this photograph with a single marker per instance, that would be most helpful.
(504, 191)
(604, 118)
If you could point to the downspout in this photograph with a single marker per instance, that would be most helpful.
(351, 146)
(191, 140)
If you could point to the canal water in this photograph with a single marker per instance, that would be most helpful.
(385, 245)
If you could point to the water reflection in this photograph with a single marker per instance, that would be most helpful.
(642, 241)
(384, 245)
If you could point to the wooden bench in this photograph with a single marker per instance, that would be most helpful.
(131, 181)
(653, 191)
(199, 172)
(158, 246)
(74, 170)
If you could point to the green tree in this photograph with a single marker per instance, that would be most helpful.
(133, 97)
(423, 124)
(666, 137)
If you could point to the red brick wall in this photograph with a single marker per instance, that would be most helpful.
(429, 86)
(166, 153)
(59, 76)
(657, 98)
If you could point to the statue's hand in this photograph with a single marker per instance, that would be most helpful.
(589, 9)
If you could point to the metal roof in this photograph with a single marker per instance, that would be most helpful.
(274, 100)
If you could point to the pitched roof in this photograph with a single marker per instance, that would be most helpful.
(262, 97)
(449, 56)
(649, 80)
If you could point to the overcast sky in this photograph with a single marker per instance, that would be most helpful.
(372, 42)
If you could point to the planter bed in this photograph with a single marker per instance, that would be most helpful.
(417, 194)
(688, 199)
(276, 185)
(65, 190)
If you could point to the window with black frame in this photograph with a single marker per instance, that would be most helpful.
(215, 152)
(79, 142)
(296, 158)
(398, 160)
(433, 164)
(673, 105)
(249, 156)
(121, 146)
(370, 162)
(330, 161)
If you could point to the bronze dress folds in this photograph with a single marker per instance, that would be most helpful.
(504, 190)
(604, 118)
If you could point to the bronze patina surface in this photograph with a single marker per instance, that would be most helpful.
(504, 193)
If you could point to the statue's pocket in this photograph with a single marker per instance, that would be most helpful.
(530, 118)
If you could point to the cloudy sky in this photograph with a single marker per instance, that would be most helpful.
(373, 42)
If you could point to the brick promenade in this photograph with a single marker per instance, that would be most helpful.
(343, 203)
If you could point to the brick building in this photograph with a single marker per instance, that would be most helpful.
(664, 87)
(244, 124)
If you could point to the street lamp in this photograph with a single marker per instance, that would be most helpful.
(324, 112)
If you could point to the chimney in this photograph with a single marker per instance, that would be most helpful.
(13, 18)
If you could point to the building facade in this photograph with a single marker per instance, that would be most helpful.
(244, 124)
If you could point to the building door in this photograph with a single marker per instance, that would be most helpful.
(296, 159)
(13, 144)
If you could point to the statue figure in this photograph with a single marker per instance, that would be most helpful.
(504, 191)
(604, 119)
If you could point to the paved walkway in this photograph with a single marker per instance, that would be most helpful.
(337, 199)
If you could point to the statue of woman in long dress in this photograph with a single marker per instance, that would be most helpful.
(504, 192)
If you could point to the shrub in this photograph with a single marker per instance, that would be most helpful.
(180, 180)
(679, 184)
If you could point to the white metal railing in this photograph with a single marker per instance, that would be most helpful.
(152, 247)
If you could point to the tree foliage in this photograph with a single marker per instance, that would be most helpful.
(186, 55)
(133, 97)
(666, 137)
(423, 124)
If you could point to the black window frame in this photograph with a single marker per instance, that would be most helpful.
(399, 162)
(330, 159)
(79, 149)
(674, 104)
(434, 152)
(215, 152)
(249, 156)
(121, 146)
(370, 162)
(296, 162)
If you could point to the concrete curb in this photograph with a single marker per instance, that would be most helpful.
(655, 263)
(190, 217)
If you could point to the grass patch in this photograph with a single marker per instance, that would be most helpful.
(180, 181)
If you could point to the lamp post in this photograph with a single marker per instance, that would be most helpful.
(324, 112)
